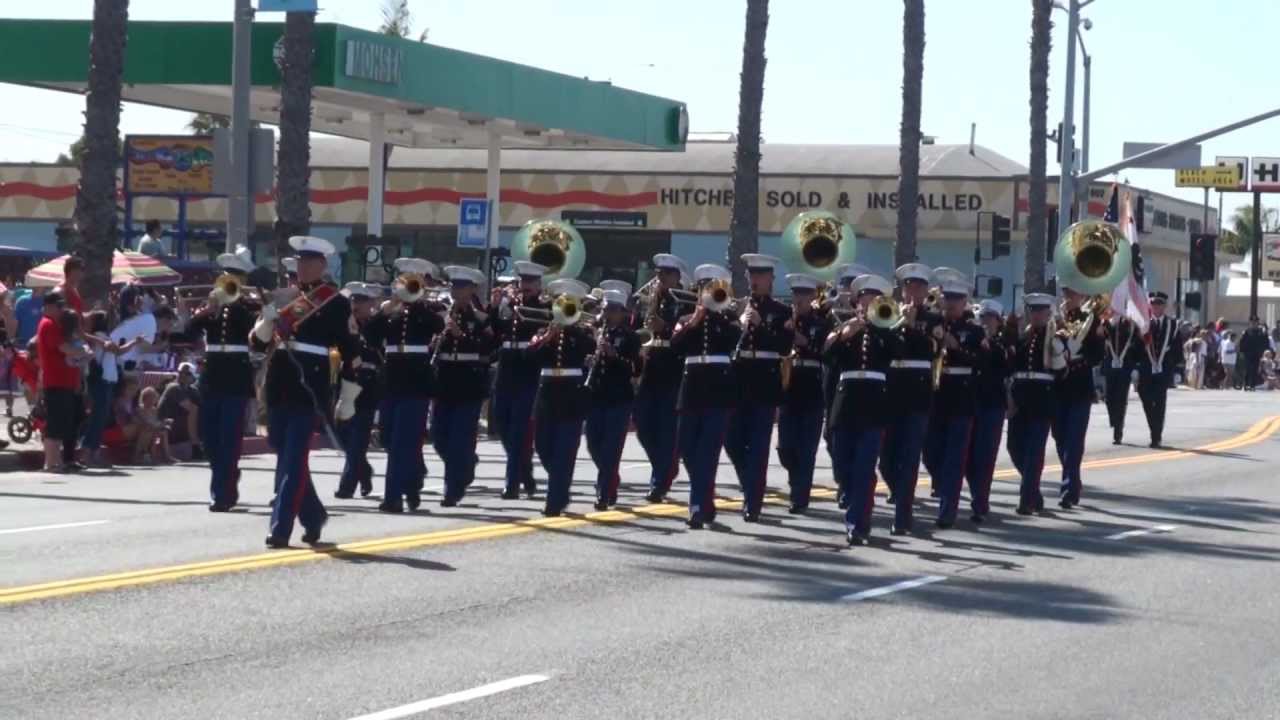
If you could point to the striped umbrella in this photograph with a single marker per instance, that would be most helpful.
(126, 268)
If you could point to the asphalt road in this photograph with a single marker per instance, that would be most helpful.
(120, 596)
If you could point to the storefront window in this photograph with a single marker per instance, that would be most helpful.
(621, 254)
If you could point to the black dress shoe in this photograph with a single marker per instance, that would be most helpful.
(978, 518)
(694, 523)
(602, 505)
(312, 536)
(387, 507)
(1023, 509)
(344, 495)
(413, 501)
(895, 530)
(276, 543)
(1065, 503)
(944, 524)
(751, 517)
(893, 500)
(655, 497)
(798, 509)
(1117, 440)
(842, 502)
(1039, 504)
(366, 491)
(551, 512)
(510, 494)
(448, 502)
(852, 537)
(219, 507)
(1155, 443)
(613, 500)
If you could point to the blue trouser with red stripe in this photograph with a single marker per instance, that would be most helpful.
(701, 439)
(557, 442)
(857, 450)
(984, 448)
(513, 415)
(1069, 430)
(799, 432)
(606, 434)
(1027, 438)
(655, 414)
(221, 430)
(453, 435)
(949, 442)
(747, 445)
(900, 463)
(355, 439)
(296, 496)
(406, 419)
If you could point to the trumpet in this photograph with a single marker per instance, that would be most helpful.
(409, 287)
(885, 313)
(717, 296)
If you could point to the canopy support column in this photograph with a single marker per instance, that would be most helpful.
(377, 174)
(492, 188)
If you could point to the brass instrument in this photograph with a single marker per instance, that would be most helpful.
(683, 297)
(409, 287)
(1092, 257)
(566, 310)
(818, 242)
(884, 312)
(555, 245)
(717, 295)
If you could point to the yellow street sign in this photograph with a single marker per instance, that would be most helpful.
(1212, 176)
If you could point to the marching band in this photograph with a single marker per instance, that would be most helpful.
(887, 382)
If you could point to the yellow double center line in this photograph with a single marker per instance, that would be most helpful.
(1258, 432)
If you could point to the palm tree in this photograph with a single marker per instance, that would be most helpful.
(95, 212)
(1242, 229)
(293, 159)
(744, 224)
(397, 21)
(1037, 193)
(206, 123)
(904, 250)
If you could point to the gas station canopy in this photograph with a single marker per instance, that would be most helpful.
(367, 86)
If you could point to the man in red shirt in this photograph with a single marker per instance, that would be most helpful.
(72, 273)
(60, 383)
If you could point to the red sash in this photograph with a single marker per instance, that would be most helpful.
(303, 307)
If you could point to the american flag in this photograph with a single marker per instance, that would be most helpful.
(1130, 296)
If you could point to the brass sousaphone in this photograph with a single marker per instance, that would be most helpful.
(555, 245)
(818, 243)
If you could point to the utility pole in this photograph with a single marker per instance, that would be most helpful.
(240, 211)
(1066, 179)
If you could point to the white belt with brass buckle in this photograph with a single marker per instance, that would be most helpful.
(957, 371)
(911, 364)
(228, 349)
(758, 355)
(409, 349)
(561, 372)
(655, 343)
(707, 360)
(515, 344)
(805, 364)
(1041, 376)
(862, 375)
(459, 357)
(308, 348)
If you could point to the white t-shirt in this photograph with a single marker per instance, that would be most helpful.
(144, 325)
(110, 371)
(1228, 349)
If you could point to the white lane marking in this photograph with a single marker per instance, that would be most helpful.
(34, 528)
(896, 587)
(1142, 531)
(454, 698)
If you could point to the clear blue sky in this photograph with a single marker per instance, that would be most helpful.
(1162, 70)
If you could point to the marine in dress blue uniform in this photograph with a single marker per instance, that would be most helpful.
(298, 390)
(407, 325)
(862, 353)
(461, 361)
(767, 336)
(803, 403)
(704, 341)
(1123, 348)
(615, 363)
(227, 381)
(1160, 366)
(852, 292)
(955, 400)
(991, 401)
(1038, 359)
(655, 403)
(910, 391)
(560, 404)
(1076, 393)
(517, 377)
(355, 432)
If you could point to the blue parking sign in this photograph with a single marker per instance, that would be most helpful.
(288, 5)
(473, 223)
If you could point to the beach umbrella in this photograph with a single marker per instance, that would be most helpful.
(126, 268)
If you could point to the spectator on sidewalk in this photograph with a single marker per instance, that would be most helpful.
(152, 243)
(180, 405)
(59, 352)
(1230, 357)
(1253, 343)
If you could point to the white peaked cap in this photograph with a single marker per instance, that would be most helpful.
(913, 271)
(525, 268)
(568, 286)
(311, 244)
(801, 281)
(621, 286)
(711, 271)
(461, 273)
(871, 283)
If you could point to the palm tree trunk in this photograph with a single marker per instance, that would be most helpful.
(904, 250)
(744, 225)
(1041, 41)
(293, 161)
(95, 213)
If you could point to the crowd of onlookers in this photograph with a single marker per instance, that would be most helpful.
(1219, 357)
(100, 383)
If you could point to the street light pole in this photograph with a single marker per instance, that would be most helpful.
(1066, 178)
(240, 203)
(1084, 144)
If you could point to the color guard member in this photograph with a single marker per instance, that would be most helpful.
(1123, 348)
(1160, 366)
(615, 362)
(766, 338)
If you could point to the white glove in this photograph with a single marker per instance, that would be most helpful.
(347, 400)
(1057, 355)
(1133, 376)
(264, 329)
(1177, 378)
(270, 312)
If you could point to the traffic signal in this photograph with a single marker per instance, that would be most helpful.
(1000, 236)
(1203, 264)
(1191, 301)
